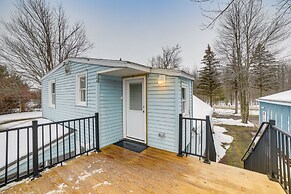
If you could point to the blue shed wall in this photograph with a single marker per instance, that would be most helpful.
(164, 106)
(280, 113)
(103, 97)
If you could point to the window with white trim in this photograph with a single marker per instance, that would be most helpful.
(52, 93)
(185, 100)
(81, 89)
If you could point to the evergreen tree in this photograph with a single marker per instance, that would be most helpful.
(264, 71)
(208, 83)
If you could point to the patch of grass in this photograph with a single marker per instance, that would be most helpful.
(241, 139)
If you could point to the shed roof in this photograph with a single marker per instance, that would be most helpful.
(282, 98)
(122, 66)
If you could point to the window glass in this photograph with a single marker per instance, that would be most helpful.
(82, 82)
(52, 93)
(135, 96)
(81, 96)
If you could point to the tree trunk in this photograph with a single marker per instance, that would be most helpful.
(235, 101)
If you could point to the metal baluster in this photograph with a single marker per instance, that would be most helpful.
(80, 136)
(27, 150)
(75, 142)
(185, 131)
(42, 141)
(93, 129)
(280, 156)
(17, 153)
(196, 143)
(201, 132)
(288, 162)
(6, 159)
(69, 130)
(51, 155)
(84, 128)
(57, 137)
(64, 151)
(89, 132)
(284, 166)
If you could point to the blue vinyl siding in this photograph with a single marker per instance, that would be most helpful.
(164, 107)
(103, 97)
(280, 113)
(161, 113)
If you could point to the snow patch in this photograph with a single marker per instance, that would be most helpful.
(99, 184)
(220, 139)
(231, 122)
(17, 116)
(100, 170)
(8, 186)
(201, 109)
(228, 112)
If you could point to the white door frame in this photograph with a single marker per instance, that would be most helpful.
(124, 97)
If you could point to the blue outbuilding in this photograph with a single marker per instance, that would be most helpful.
(277, 107)
(134, 101)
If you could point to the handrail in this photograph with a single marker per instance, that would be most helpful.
(253, 141)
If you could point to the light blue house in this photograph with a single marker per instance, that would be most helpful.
(134, 101)
(278, 108)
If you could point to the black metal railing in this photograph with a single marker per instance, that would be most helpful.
(195, 138)
(269, 153)
(29, 150)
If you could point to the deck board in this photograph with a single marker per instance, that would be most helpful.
(117, 170)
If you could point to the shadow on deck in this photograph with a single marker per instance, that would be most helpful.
(117, 170)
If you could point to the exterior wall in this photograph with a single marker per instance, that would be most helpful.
(280, 113)
(164, 107)
(108, 90)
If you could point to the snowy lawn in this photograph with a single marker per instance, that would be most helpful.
(12, 139)
(221, 141)
(229, 111)
(242, 137)
(10, 120)
(235, 122)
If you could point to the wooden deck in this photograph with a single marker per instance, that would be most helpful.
(116, 170)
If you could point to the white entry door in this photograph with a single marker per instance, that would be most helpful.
(135, 109)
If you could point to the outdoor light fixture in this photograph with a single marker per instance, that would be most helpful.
(161, 79)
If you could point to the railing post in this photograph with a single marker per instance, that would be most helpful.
(180, 136)
(207, 160)
(273, 166)
(35, 148)
(97, 132)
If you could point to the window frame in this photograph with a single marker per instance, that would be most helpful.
(50, 96)
(78, 89)
(185, 102)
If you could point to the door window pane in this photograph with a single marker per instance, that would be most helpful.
(135, 96)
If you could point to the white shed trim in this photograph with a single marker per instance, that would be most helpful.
(119, 65)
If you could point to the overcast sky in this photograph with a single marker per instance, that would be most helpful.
(136, 30)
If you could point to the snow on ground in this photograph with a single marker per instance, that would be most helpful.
(221, 141)
(227, 112)
(12, 139)
(231, 122)
(201, 109)
(19, 116)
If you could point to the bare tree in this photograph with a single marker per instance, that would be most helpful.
(244, 26)
(214, 12)
(39, 37)
(170, 59)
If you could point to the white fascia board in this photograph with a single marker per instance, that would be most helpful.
(275, 102)
(175, 73)
(108, 70)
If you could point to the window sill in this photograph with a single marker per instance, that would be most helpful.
(52, 106)
(81, 104)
